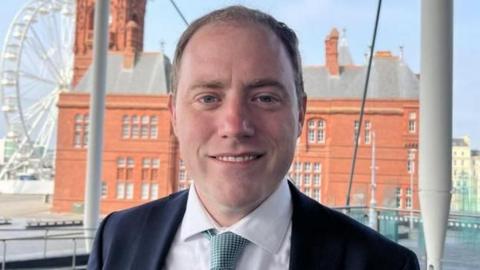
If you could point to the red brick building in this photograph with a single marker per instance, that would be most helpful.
(140, 156)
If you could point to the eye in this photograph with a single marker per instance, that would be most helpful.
(208, 99)
(266, 99)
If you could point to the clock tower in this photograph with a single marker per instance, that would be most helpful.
(126, 28)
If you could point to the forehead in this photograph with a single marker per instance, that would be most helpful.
(253, 45)
(234, 36)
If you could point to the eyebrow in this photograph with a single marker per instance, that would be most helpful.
(214, 84)
(257, 83)
(266, 83)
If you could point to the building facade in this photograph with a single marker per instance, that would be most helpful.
(140, 155)
(464, 179)
(476, 175)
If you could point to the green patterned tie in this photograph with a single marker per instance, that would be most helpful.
(225, 249)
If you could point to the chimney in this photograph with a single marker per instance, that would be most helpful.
(331, 53)
(132, 45)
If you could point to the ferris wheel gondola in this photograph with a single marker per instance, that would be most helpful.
(36, 65)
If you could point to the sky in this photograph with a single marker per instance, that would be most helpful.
(313, 19)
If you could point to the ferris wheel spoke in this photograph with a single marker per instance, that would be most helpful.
(37, 78)
(41, 56)
(38, 57)
(54, 68)
(33, 112)
(54, 20)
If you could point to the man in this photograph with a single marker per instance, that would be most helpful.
(237, 109)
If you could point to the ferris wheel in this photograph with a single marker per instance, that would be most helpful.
(36, 65)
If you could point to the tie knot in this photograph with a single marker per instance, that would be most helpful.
(225, 249)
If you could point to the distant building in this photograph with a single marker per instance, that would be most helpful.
(464, 186)
(476, 175)
(140, 155)
(2, 152)
(323, 160)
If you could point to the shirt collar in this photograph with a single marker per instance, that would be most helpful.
(266, 226)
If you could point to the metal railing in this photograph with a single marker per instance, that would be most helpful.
(44, 243)
(461, 249)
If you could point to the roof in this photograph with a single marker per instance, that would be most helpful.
(458, 142)
(150, 75)
(390, 78)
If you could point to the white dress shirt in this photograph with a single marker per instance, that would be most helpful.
(268, 228)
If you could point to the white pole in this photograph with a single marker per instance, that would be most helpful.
(435, 124)
(372, 212)
(95, 136)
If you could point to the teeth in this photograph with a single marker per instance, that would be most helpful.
(236, 158)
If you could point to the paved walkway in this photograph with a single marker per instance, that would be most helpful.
(30, 207)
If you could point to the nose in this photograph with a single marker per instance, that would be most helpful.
(236, 121)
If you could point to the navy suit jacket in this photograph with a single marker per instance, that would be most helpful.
(140, 238)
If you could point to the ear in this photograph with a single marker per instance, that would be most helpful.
(173, 113)
(301, 114)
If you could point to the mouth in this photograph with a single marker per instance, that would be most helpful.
(237, 158)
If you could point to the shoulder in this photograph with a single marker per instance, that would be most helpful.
(121, 222)
(348, 240)
(148, 227)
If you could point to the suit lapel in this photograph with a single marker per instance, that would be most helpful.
(159, 231)
(312, 245)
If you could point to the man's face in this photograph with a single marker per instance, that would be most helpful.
(236, 114)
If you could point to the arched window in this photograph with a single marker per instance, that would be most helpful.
(316, 130)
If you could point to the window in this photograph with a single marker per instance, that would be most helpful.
(409, 199)
(154, 192)
(145, 120)
(146, 163)
(317, 167)
(126, 126)
(80, 131)
(135, 127)
(121, 162)
(181, 174)
(398, 197)
(409, 202)
(298, 166)
(130, 162)
(129, 194)
(145, 190)
(356, 126)
(316, 131)
(77, 140)
(139, 127)
(316, 194)
(85, 138)
(412, 125)
(306, 179)
(104, 190)
(307, 191)
(144, 132)
(316, 179)
(183, 179)
(411, 161)
(120, 190)
(368, 132)
(153, 127)
(308, 166)
(144, 128)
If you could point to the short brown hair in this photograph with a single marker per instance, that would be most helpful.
(240, 14)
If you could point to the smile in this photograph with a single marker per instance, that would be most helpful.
(237, 158)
